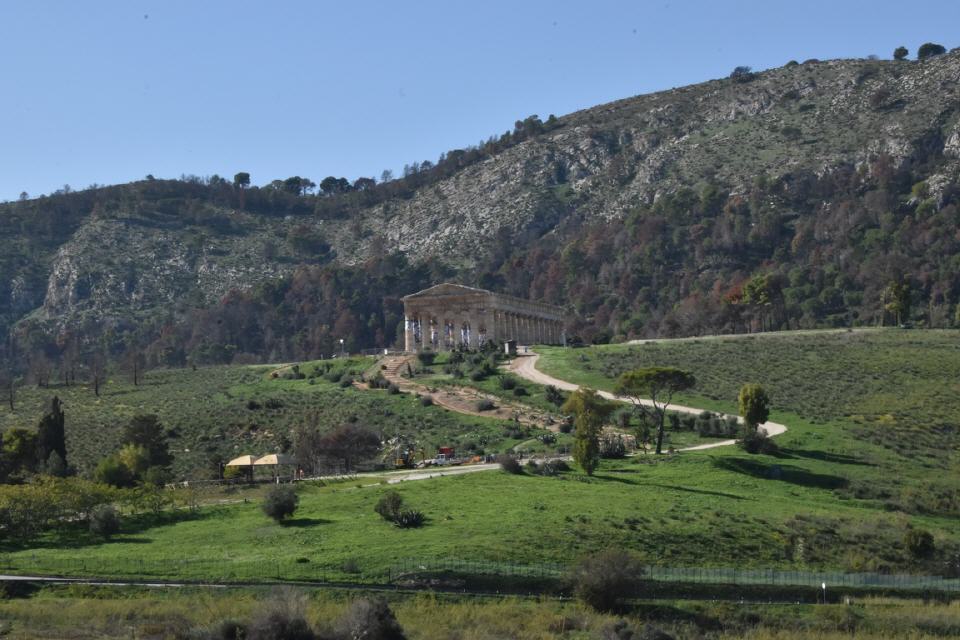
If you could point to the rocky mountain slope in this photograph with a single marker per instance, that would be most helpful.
(122, 254)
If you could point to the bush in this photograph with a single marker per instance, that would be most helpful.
(280, 503)
(613, 447)
(919, 543)
(409, 519)
(756, 441)
(520, 392)
(426, 401)
(390, 508)
(485, 405)
(230, 630)
(552, 468)
(370, 620)
(507, 383)
(114, 472)
(742, 74)
(555, 396)
(346, 381)
(510, 464)
(477, 375)
(393, 389)
(567, 425)
(104, 520)
(278, 625)
(426, 358)
(930, 49)
(603, 580)
(389, 505)
(157, 476)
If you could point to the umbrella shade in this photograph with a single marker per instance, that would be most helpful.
(275, 459)
(242, 461)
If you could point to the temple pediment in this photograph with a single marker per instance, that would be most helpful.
(447, 289)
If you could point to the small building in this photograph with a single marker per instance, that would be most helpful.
(449, 315)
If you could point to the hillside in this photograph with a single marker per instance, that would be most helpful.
(870, 455)
(823, 181)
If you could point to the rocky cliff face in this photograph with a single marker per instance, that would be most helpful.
(607, 160)
(600, 164)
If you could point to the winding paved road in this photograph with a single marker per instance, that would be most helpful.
(525, 366)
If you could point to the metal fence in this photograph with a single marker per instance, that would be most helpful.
(696, 575)
(352, 571)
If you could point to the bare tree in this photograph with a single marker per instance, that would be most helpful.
(97, 365)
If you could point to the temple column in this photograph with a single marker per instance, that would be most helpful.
(408, 344)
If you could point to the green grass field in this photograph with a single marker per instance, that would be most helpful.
(871, 453)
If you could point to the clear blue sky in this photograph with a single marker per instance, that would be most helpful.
(109, 91)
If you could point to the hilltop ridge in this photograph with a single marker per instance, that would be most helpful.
(635, 214)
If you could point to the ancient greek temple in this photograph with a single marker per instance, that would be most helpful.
(449, 315)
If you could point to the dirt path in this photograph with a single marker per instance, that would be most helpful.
(526, 367)
(464, 399)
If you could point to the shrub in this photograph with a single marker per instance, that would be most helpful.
(389, 505)
(426, 358)
(279, 625)
(113, 472)
(157, 476)
(742, 74)
(554, 395)
(104, 520)
(409, 519)
(333, 376)
(378, 382)
(485, 405)
(756, 441)
(230, 630)
(280, 503)
(426, 401)
(566, 426)
(919, 543)
(519, 392)
(930, 49)
(603, 580)
(900, 53)
(477, 375)
(613, 447)
(393, 389)
(552, 468)
(507, 383)
(253, 405)
(346, 381)
(510, 464)
(370, 620)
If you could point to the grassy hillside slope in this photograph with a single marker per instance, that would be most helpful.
(861, 466)
(216, 413)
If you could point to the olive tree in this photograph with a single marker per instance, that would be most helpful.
(651, 390)
(590, 412)
(930, 49)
